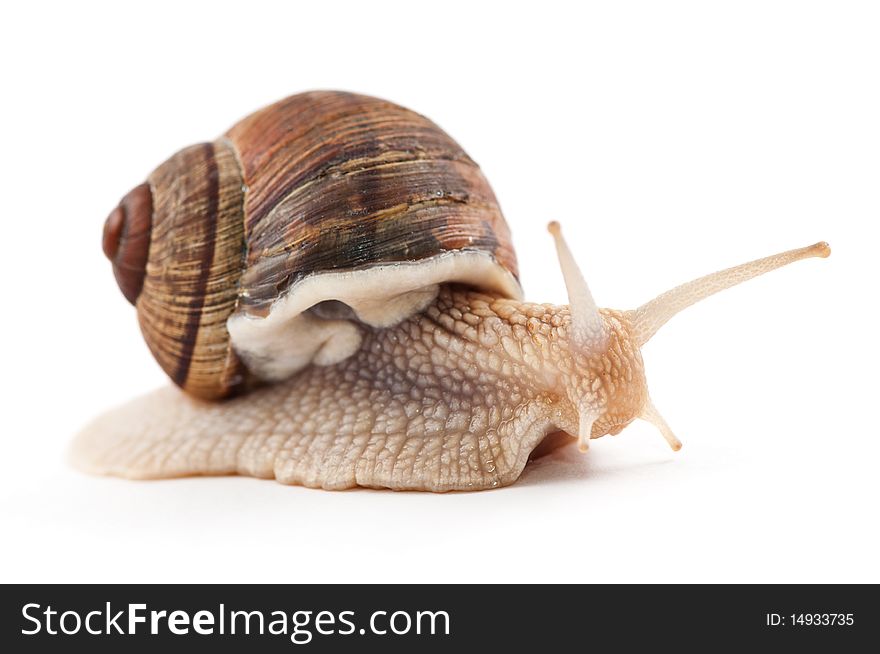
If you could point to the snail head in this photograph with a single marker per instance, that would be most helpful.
(605, 382)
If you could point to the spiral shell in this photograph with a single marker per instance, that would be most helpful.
(192, 278)
(325, 211)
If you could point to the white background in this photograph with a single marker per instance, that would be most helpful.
(671, 139)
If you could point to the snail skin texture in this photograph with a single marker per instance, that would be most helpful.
(332, 288)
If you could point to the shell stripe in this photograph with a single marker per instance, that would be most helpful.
(205, 264)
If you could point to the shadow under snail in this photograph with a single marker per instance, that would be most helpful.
(333, 287)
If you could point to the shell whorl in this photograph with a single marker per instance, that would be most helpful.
(338, 181)
(196, 260)
(126, 240)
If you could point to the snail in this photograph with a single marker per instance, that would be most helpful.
(333, 289)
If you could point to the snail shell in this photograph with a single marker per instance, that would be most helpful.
(271, 248)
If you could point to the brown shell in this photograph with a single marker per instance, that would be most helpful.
(196, 259)
(321, 181)
(338, 181)
(126, 240)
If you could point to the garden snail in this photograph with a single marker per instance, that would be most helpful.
(333, 286)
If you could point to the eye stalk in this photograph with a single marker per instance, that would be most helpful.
(588, 328)
(126, 240)
(652, 315)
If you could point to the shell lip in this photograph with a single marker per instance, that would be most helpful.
(289, 337)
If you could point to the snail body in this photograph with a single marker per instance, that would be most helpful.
(333, 287)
